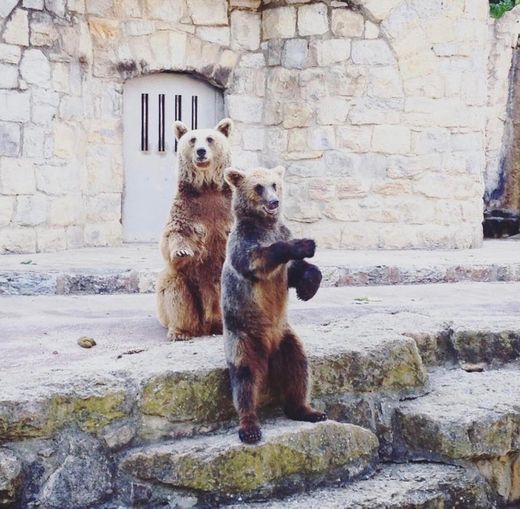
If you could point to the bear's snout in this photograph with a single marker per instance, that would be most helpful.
(273, 204)
(201, 153)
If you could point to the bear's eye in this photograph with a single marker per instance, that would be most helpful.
(210, 139)
(259, 189)
(193, 140)
(274, 186)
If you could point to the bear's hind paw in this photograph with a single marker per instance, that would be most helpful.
(250, 434)
(177, 335)
(182, 253)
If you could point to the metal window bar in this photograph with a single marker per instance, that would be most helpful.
(194, 111)
(144, 122)
(178, 112)
(161, 144)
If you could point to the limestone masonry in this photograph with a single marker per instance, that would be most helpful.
(389, 115)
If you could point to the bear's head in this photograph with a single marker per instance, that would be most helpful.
(203, 153)
(257, 193)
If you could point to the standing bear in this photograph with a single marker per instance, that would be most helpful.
(193, 243)
(261, 263)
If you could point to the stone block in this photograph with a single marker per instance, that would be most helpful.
(58, 179)
(35, 68)
(104, 207)
(431, 140)
(218, 35)
(391, 139)
(332, 110)
(384, 82)
(354, 138)
(31, 210)
(321, 138)
(313, 19)
(6, 7)
(17, 240)
(368, 110)
(279, 22)
(331, 51)
(9, 139)
(380, 9)
(245, 109)
(33, 141)
(51, 239)
(102, 234)
(8, 76)
(294, 54)
(33, 4)
(17, 176)
(16, 30)
(297, 114)
(6, 209)
(14, 105)
(10, 54)
(65, 210)
(347, 23)
(43, 30)
(253, 138)
(245, 30)
(371, 30)
(208, 12)
(372, 52)
(44, 105)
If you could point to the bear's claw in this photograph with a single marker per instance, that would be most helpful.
(250, 434)
(181, 253)
(309, 284)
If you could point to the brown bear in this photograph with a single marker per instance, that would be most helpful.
(193, 242)
(261, 263)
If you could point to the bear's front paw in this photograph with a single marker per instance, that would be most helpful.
(178, 335)
(250, 434)
(309, 283)
(303, 248)
(183, 253)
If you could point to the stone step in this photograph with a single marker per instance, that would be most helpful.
(161, 388)
(133, 268)
(468, 416)
(397, 486)
(291, 456)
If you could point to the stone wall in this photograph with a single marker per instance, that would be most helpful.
(500, 132)
(376, 107)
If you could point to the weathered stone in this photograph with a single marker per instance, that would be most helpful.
(391, 139)
(43, 31)
(296, 114)
(9, 139)
(414, 486)
(355, 138)
(205, 12)
(330, 51)
(8, 76)
(347, 23)
(35, 68)
(17, 176)
(313, 19)
(17, 240)
(218, 35)
(31, 210)
(279, 22)
(58, 6)
(16, 30)
(51, 239)
(332, 110)
(466, 416)
(222, 465)
(14, 105)
(245, 109)
(10, 54)
(245, 30)
(6, 209)
(10, 478)
(33, 4)
(6, 8)
(294, 53)
(384, 82)
(82, 479)
(372, 52)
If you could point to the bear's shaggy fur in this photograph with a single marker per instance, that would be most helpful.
(193, 243)
(261, 263)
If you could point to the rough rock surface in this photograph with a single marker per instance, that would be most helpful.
(222, 465)
(410, 486)
(10, 477)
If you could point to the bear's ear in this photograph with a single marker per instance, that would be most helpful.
(280, 171)
(225, 126)
(234, 177)
(180, 129)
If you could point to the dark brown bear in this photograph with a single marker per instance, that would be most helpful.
(261, 263)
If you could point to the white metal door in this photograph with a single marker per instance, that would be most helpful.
(150, 106)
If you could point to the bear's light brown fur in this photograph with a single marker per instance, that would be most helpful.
(193, 243)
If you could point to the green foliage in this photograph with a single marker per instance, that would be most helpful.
(498, 8)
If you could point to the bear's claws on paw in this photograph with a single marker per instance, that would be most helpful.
(178, 336)
(181, 253)
(250, 435)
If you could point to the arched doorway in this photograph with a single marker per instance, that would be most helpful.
(150, 106)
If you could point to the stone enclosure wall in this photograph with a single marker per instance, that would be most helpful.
(376, 107)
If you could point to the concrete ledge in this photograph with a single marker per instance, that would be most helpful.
(134, 268)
